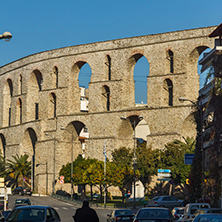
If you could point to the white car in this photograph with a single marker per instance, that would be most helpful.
(165, 201)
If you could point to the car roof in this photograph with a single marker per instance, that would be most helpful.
(34, 207)
(154, 208)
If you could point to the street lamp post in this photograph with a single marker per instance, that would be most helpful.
(6, 36)
(62, 128)
(54, 160)
(134, 155)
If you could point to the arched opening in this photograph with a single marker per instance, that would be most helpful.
(39, 79)
(84, 74)
(108, 65)
(52, 106)
(168, 92)
(133, 126)
(75, 134)
(34, 87)
(2, 145)
(170, 61)
(141, 73)
(56, 76)
(28, 146)
(188, 128)
(205, 76)
(7, 100)
(84, 77)
(194, 67)
(10, 87)
(20, 84)
(19, 111)
(106, 98)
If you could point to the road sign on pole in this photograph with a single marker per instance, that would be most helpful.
(164, 171)
(188, 158)
(61, 177)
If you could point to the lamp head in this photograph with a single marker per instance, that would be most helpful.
(6, 36)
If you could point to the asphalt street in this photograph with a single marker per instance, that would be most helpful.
(65, 210)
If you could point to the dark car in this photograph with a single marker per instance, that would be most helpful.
(22, 191)
(208, 218)
(120, 215)
(5, 214)
(22, 202)
(33, 213)
(153, 214)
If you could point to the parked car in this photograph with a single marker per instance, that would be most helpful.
(153, 214)
(33, 213)
(22, 191)
(191, 208)
(208, 217)
(208, 211)
(5, 213)
(165, 201)
(120, 215)
(177, 213)
(22, 202)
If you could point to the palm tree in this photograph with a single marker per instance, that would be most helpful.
(2, 165)
(17, 168)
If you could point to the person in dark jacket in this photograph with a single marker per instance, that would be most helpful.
(85, 213)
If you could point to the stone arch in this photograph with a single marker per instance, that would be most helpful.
(52, 105)
(77, 86)
(139, 65)
(167, 92)
(189, 126)
(2, 145)
(127, 127)
(170, 61)
(75, 135)
(55, 77)
(108, 67)
(19, 111)
(28, 146)
(106, 98)
(34, 87)
(7, 100)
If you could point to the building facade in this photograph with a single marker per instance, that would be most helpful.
(41, 96)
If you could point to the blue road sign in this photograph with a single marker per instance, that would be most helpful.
(188, 158)
(163, 179)
(164, 171)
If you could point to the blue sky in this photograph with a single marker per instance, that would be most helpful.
(49, 24)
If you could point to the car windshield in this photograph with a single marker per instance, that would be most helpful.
(210, 218)
(153, 213)
(156, 198)
(19, 201)
(27, 214)
(123, 212)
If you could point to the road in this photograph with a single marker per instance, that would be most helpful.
(65, 210)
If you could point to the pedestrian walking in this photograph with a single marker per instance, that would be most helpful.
(85, 214)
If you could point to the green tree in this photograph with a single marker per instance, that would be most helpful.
(124, 172)
(17, 169)
(172, 157)
(147, 161)
(123, 156)
(2, 165)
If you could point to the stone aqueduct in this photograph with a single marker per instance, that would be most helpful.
(40, 93)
